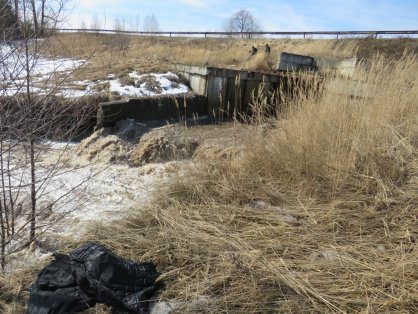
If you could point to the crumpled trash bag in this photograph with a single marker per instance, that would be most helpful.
(88, 275)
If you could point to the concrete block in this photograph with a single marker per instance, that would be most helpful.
(198, 84)
(293, 62)
(196, 75)
(341, 67)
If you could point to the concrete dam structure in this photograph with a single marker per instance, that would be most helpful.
(225, 93)
(231, 92)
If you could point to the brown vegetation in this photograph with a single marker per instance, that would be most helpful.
(150, 54)
(317, 213)
(313, 212)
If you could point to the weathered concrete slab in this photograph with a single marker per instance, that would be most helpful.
(196, 75)
(191, 69)
(341, 67)
(197, 83)
(294, 62)
(150, 108)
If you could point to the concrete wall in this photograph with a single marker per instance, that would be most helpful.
(221, 93)
(149, 108)
(230, 92)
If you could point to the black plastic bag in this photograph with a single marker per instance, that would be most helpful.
(88, 275)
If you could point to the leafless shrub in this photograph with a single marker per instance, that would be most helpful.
(122, 40)
(28, 123)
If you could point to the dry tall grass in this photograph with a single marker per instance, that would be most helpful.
(148, 54)
(315, 213)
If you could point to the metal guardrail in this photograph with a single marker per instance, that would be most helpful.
(245, 34)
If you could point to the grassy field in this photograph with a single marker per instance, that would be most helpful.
(315, 211)
(119, 55)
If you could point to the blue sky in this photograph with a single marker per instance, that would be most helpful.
(273, 15)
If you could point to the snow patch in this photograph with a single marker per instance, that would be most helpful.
(46, 72)
(43, 72)
(166, 81)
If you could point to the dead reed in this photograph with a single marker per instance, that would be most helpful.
(316, 212)
(149, 54)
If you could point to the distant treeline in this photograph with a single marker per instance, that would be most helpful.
(27, 18)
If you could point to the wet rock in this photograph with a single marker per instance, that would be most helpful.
(288, 218)
(162, 307)
(278, 209)
(326, 255)
(258, 205)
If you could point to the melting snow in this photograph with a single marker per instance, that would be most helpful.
(52, 76)
(165, 81)
(14, 66)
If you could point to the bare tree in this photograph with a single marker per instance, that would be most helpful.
(27, 121)
(35, 16)
(7, 19)
(83, 24)
(242, 22)
(151, 24)
(122, 40)
(45, 13)
(43, 16)
(16, 12)
(137, 22)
